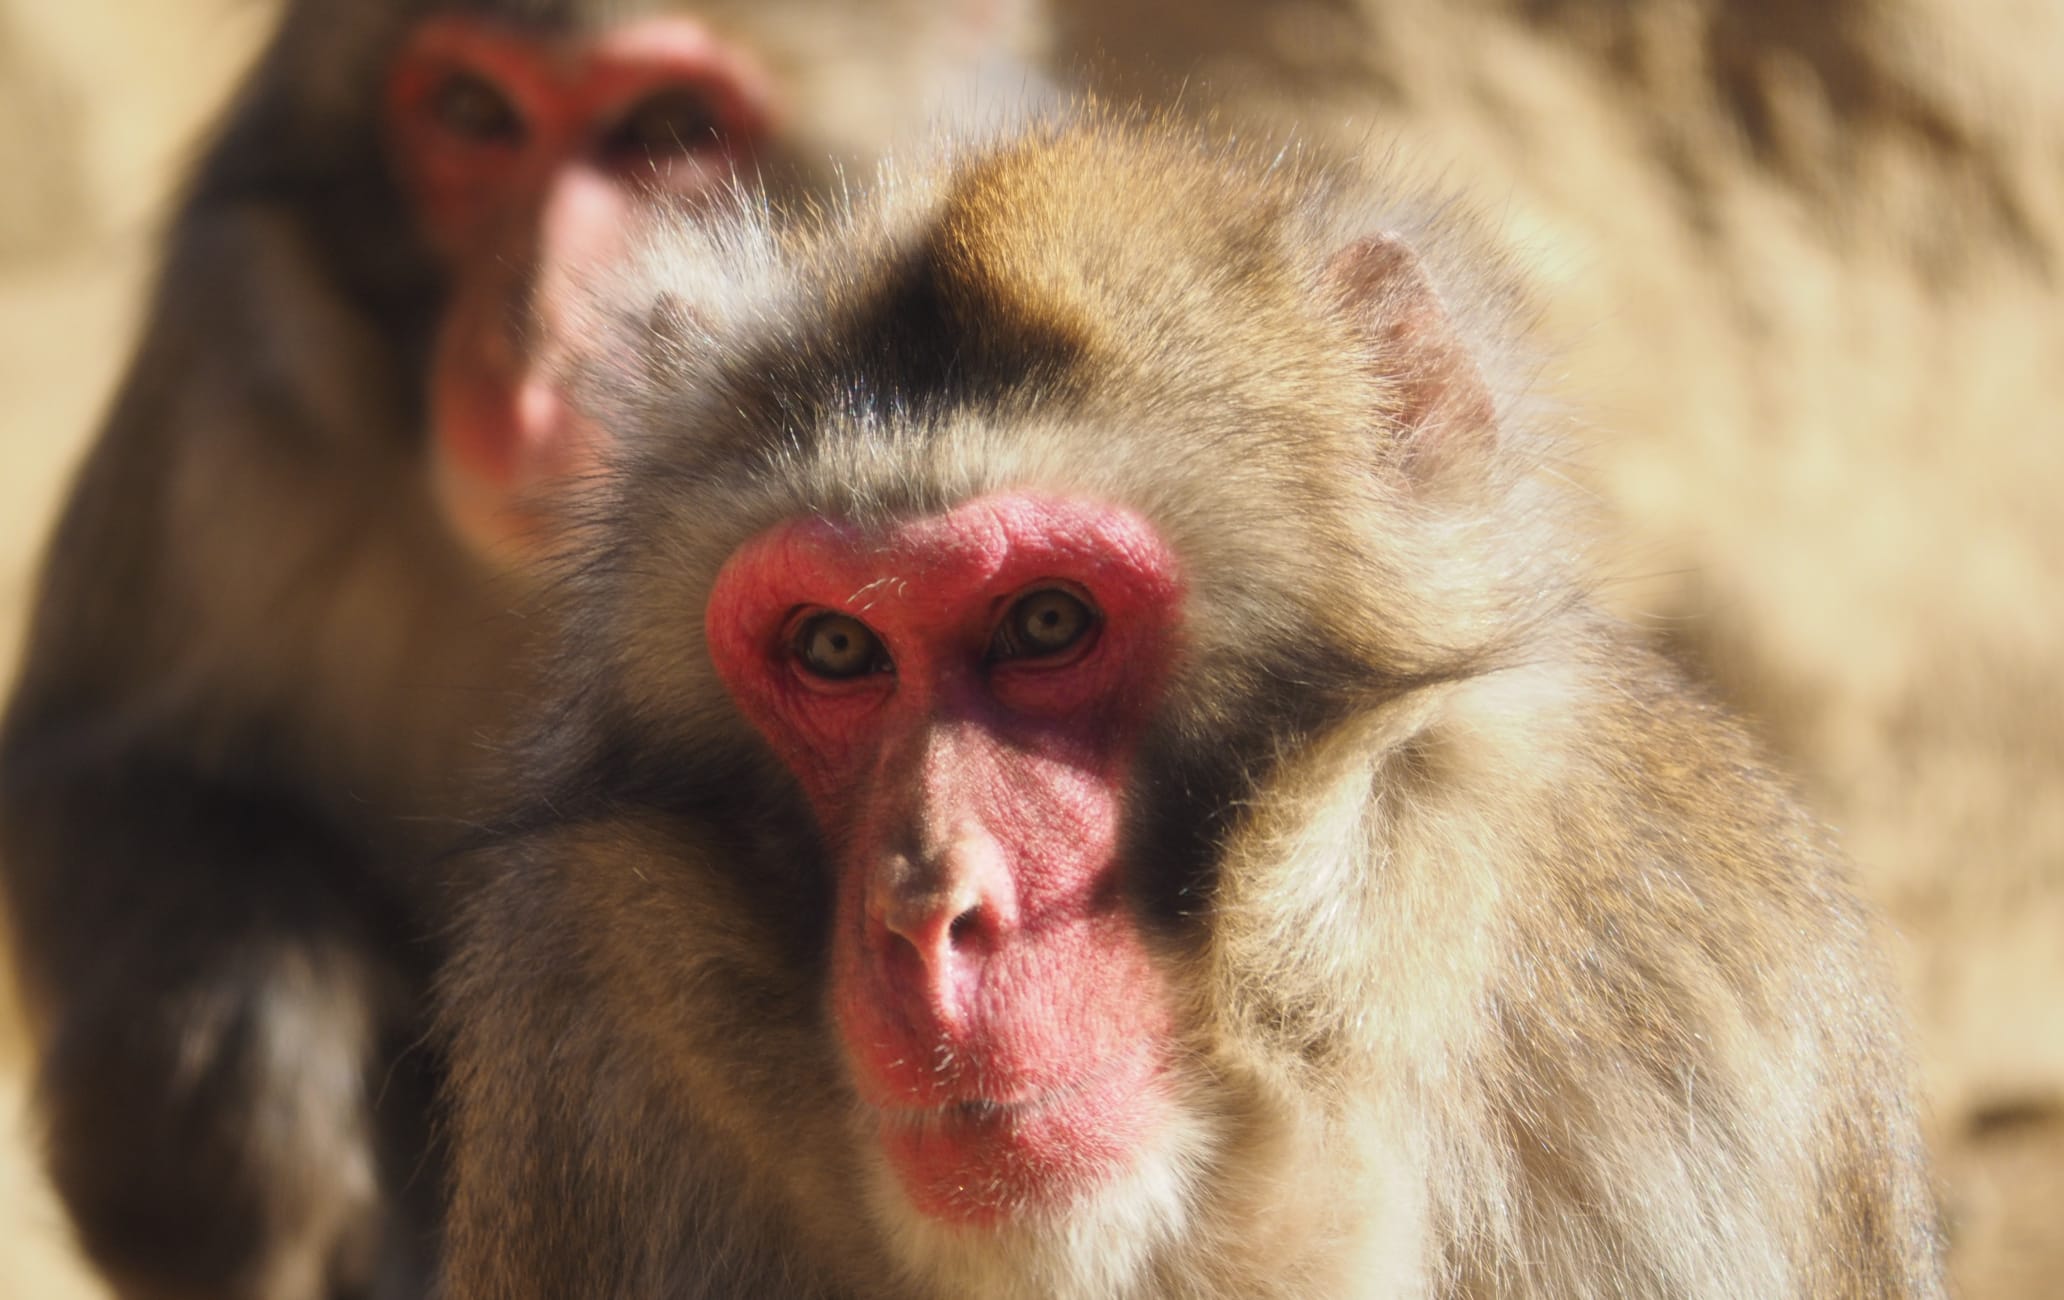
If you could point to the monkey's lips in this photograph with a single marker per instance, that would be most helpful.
(982, 1160)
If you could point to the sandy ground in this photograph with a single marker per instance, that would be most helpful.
(1801, 265)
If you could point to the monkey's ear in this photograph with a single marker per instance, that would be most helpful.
(1441, 405)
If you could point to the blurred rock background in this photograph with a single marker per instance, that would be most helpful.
(1800, 265)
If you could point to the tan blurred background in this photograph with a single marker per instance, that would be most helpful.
(1801, 261)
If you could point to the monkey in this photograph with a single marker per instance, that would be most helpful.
(283, 618)
(1084, 762)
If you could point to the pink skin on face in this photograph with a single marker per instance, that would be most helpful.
(993, 991)
(518, 210)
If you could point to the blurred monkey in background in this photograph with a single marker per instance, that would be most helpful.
(283, 613)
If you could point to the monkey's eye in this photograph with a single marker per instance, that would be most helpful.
(1043, 624)
(837, 647)
(677, 120)
(469, 106)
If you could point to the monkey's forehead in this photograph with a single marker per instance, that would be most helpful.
(1097, 307)
(993, 543)
(1134, 280)
(1082, 224)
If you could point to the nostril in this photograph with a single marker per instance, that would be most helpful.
(964, 929)
(931, 935)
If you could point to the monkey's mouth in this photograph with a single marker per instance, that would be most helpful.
(969, 1116)
(985, 1111)
(981, 1112)
(984, 1160)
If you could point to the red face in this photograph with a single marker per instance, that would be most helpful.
(523, 156)
(960, 698)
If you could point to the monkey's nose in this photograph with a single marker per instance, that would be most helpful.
(938, 923)
(951, 908)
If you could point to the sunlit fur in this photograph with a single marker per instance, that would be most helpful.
(1503, 967)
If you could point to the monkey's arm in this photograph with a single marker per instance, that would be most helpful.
(209, 1004)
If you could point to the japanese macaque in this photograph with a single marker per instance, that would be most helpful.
(1087, 768)
(283, 616)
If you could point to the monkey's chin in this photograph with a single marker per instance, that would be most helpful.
(983, 1162)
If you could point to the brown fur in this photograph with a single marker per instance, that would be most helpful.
(1506, 967)
(263, 677)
